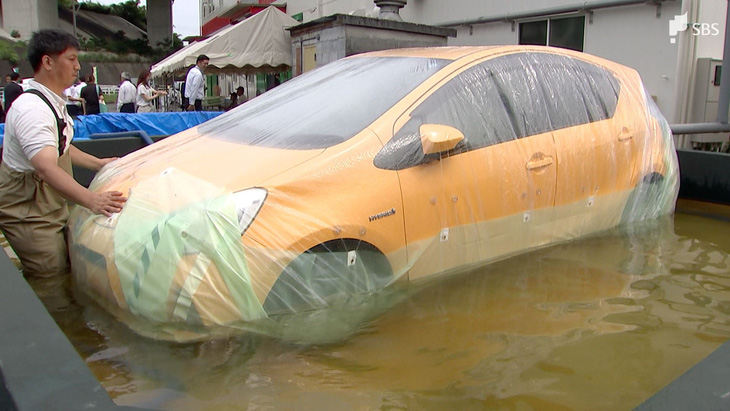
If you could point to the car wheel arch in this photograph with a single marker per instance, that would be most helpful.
(326, 270)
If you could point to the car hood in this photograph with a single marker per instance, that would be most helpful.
(227, 165)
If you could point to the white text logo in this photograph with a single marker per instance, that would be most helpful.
(679, 24)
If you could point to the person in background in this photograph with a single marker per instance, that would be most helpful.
(241, 96)
(12, 90)
(185, 101)
(36, 181)
(73, 100)
(234, 101)
(145, 93)
(127, 94)
(195, 84)
(91, 94)
(2, 110)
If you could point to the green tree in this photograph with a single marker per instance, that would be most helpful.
(7, 52)
(132, 12)
(119, 43)
(129, 10)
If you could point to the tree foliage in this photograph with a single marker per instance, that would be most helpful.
(8, 53)
(129, 10)
(119, 43)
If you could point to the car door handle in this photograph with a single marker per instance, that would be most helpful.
(625, 134)
(543, 162)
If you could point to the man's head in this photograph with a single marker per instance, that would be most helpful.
(202, 62)
(126, 76)
(239, 90)
(53, 54)
(14, 76)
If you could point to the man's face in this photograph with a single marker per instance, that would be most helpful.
(203, 64)
(7, 79)
(66, 66)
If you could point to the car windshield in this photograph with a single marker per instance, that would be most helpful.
(324, 107)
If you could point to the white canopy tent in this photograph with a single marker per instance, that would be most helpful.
(260, 43)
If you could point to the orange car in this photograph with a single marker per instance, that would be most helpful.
(399, 164)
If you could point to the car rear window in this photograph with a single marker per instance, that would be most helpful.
(326, 106)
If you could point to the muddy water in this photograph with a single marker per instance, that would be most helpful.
(601, 323)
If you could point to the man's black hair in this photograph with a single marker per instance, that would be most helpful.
(201, 58)
(14, 76)
(49, 42)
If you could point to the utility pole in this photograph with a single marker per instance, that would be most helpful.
(75, 10)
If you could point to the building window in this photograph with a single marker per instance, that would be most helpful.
(566, 32)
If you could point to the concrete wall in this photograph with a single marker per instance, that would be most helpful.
(39, 368)
(341, 35)
(711, 13)
(27, 16)
(159, 22)
(650, 51)
(342, 41)
(314, 9)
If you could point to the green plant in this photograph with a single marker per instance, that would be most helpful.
(118, 42)
(129, 10)
(9, 52)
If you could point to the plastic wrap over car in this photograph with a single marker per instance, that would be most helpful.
(385, 167)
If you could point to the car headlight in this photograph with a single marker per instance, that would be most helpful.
(248, 203)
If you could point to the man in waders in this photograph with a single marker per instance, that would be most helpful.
(35, 174)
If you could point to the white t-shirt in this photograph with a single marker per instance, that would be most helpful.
(143, 90)
(31, 126)
(75, 92)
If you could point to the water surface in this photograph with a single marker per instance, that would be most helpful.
(600, 323)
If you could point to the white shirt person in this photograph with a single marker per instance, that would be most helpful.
(195, 84)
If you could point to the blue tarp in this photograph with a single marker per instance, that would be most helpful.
(154, 124)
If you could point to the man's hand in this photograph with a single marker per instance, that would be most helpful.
(107, 203)
(47, 169)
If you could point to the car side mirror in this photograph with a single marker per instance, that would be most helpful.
(437, 138)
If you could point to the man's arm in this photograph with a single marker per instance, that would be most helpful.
(86, 160)
(46, 166)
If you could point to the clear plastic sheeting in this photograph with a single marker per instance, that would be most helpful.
(386, 167)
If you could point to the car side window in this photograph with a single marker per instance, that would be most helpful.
(470, 102)
(505, 98)
(519, 87)
(576, 92)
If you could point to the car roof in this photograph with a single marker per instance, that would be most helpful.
(447, 53)
(459, 52)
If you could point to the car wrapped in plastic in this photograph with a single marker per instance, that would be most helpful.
(380, 167)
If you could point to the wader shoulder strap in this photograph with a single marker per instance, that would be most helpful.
(61, 124)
